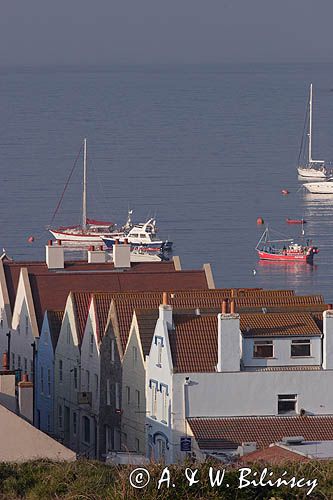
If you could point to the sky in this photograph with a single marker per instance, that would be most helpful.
(39, 32)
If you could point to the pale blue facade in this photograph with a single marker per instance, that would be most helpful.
(44, 397)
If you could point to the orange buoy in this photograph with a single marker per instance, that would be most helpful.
(31, 239)
(260, 220)
(285, 191)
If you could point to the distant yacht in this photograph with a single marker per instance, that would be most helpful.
(325, 187)
(311, 168)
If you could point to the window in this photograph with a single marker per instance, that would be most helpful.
(42, 379)
(137, 445)
(86, 429)
(128, 394)
(74, 422)
(108, 392)
(164, 404)
(25, 364)
(26, 325)
(88, 380)
(159, 354)
(75, 378)
(112, 350)
(19, 362)
(48, 382)
(263, 349)
(137, 393)
(60, 370)
(60, 416)
(287, 404)
(96, 384)
(91, 344)
(13, 361)
(48, 423)
(153, 400)
(301, 348)
(68, 331)
(135, 356)
(117, 391)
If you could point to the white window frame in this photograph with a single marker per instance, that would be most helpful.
(260, 343)
(61, 373)
(91, 344)
(298, 342)
(108, 392)
(287, 398)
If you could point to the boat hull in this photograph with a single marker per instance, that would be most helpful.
(78, 238)
(288, 257)
(153, 245)
(311, 172)
(319, 187)
(295, 221)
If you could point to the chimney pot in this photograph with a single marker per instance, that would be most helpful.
(25, 377)
(232, 307)
(329, 307)
(116, 241)
(165, 299)
(49, 243)
(5, 361)
(101, 248)
(125, 241)
(91, 248)
(59, 242)
(224, 306)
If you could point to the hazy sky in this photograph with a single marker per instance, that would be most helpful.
(107, 31)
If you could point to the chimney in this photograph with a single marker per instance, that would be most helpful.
(55, 255)
(5, 361)
(25, 398)
(229, 339)
(121, 254)
(165, 311)
(96, 256)
(328, 339)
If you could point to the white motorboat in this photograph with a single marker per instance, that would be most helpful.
(310, 167)
(140, 235)
(324, 187)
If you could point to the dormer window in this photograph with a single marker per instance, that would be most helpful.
(263, 349)
(26, 325)
(300, 348)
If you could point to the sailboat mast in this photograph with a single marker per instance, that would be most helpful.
(84, 196)
(310, 126)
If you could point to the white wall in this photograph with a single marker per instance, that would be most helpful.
(282, 352)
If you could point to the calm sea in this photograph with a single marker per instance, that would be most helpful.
(207, 149)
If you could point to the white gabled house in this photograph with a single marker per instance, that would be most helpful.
(24, 331)
(203, 367)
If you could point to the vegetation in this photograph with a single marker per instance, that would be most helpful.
(93, 480)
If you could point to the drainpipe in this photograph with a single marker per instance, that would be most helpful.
(8, 335)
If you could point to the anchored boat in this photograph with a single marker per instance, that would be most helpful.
(284, 250)
(140, 235)
(310, 167)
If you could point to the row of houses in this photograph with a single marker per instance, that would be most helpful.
(153, 360)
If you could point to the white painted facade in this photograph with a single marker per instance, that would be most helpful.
(231, 391)
(5, 311)
(133, 393)
(67, 371)
(24, 331)
(90, 383)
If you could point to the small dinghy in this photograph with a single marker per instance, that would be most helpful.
(295, 221)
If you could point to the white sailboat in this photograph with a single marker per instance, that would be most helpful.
(90, 231)
(312, 168)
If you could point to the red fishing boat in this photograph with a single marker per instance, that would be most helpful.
(295, 221)
(288, 252)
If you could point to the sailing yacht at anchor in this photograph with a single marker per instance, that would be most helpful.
(90, 231)
(311, 168)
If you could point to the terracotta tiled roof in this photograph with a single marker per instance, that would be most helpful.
(55, 320)
(207, 300)
(50, 288)
(273, 455)
(295, 368)
(81, 302)
(265, 325)
(193, 343)
(229, 433)
(146, 319)
(102, 304)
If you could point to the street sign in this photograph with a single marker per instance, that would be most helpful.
(185, 444)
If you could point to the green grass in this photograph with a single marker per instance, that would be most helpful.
(93, 480)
